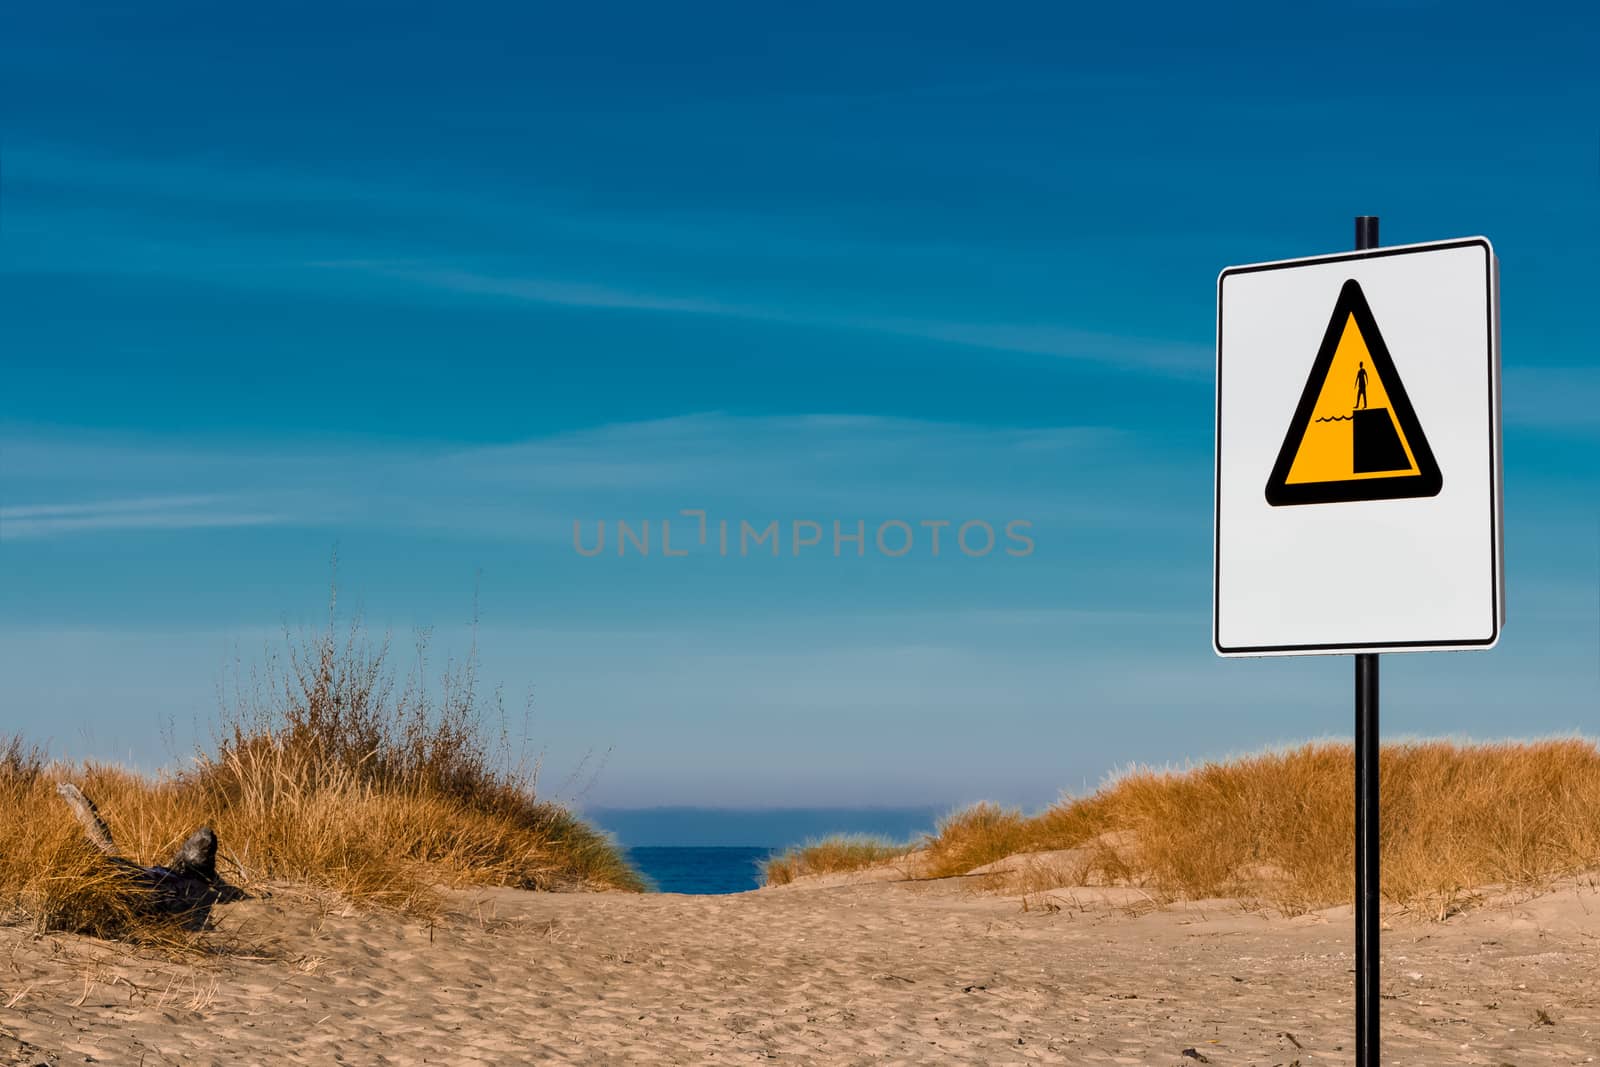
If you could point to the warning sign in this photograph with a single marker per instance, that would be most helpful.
(1354, 435)
(1358, 484)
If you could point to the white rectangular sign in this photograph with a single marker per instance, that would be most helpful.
(1358, 453)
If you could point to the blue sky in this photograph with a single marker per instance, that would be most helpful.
(426, 285)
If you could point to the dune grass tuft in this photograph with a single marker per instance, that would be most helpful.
(849, 852)
(330, 771)
(1279, 826)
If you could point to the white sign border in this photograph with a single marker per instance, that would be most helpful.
(1496, 474)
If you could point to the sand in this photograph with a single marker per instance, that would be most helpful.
(825, 971)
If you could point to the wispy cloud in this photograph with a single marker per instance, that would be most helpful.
(562, 293)
(1039, 338)
(29, 521)
(773, 466)
(436, 239)
(1045, 339)
(529, 212)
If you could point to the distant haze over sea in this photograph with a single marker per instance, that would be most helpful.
(764, 827)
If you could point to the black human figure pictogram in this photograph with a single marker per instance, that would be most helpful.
(1361, 385)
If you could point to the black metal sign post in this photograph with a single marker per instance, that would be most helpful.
(1367, 917)
(1367, 914)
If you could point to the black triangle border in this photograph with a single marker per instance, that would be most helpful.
(1428, 480)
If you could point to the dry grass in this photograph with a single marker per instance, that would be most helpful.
(330, 772)
(1280, 826)
(842, 853)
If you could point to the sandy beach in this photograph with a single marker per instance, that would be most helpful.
(837, 969)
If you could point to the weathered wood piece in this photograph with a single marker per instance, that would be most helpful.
(185, 889)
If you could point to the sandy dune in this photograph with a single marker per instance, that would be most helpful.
(825, 971)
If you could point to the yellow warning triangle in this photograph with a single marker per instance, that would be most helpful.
(1354, 435)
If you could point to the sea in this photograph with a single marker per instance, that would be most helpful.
(721, 850)
(700, 868)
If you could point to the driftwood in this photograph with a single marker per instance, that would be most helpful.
(184, 890)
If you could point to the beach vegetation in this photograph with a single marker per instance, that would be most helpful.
(1279, 827)
(843, 852)
(329, 771)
